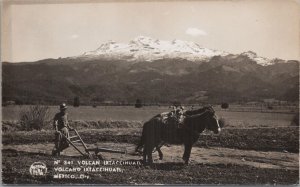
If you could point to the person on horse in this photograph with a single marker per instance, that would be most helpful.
(61, 126)
(178, 114)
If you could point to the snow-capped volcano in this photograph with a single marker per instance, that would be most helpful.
(260, 60)
(149, 49)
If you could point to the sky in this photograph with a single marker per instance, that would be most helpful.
(32, 31)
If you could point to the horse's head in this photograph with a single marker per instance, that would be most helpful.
(204, 118)
(212, 122)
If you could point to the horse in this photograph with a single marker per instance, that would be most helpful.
(156, 133)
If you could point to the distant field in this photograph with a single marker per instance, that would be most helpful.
(88, 113)
(235, 117)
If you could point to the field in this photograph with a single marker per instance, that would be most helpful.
(255, 147)
(236, 115)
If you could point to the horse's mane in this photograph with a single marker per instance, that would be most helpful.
(198, 111)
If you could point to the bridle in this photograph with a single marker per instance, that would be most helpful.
(206, 110)
(209, 109)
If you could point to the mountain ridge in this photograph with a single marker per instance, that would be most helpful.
(99, 76)
(144, 48)
(162, 81)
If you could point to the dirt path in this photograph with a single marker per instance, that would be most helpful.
(213, 155)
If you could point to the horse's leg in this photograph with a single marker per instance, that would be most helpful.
(150, 160)
(149, 154)
(144, 155)
(187, 153)
(138, 147)
(140, 144)
(160, 154)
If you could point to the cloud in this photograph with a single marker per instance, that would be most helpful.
(74, 36)
(195, 32)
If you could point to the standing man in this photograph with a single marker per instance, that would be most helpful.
(61, 126)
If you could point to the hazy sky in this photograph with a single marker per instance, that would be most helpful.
(36, 31)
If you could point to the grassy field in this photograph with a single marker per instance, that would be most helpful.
(235, 117)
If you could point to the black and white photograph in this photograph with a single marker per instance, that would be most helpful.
(150, 92)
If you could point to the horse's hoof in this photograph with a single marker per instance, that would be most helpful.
(147, 164)
(186, 161)
(144, 162)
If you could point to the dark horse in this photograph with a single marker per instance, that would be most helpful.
(155, 132)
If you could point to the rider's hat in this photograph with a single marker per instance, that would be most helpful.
(63, 106)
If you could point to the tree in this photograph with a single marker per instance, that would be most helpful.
(224, 105)
(76, 102)
(138, 103)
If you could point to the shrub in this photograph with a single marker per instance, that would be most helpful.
(138, 103)
(76, 102)
(34, 117)
(224, 105)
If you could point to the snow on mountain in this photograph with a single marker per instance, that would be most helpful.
(260, 60)
(148, 49)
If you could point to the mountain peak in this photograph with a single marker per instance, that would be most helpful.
(143, 38)
(144, 48)
(260, 60)
(250, 54)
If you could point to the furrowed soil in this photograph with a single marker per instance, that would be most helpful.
(253, 148)
(207, 166)
(262, 139)
(236, 156)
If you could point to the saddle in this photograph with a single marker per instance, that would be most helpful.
(172, 123)
(172, 117)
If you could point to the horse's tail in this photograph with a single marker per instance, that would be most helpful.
(141, 142)
(150, 133)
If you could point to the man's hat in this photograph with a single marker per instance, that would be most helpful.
(63, 106)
